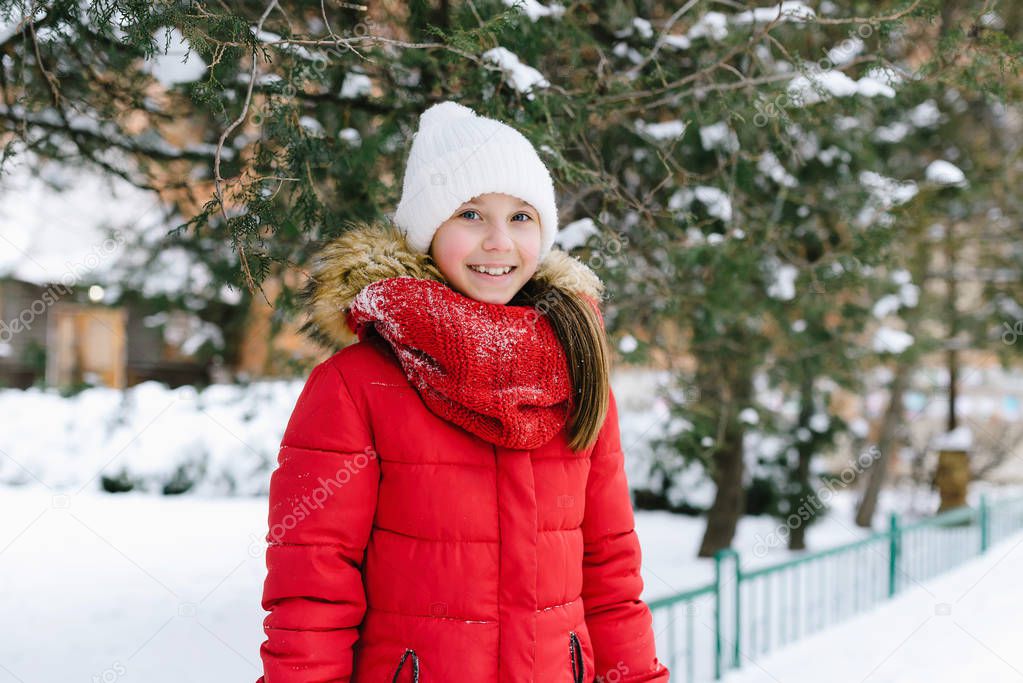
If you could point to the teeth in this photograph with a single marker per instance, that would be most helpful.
(492, 271)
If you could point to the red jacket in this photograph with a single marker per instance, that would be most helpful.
(404, 548)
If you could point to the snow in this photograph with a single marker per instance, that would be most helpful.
(712, 24)
(172, 574)
(576, 233)
(885, 306)
(783, 285)
(943, 172)
(802, 90)
(623, 49)
(174, 61)
(789, 10)
(844, 52)
(828, 155)
(992, 19)
(127, 583)
(887, 192)
(229, 294)
(890, 340)
(901, 276)
(887, 75)
(186, 331)
(909, 295)
(959, 439)
(959, 626)
(925, 114)
(676, 42)
(627, 344)
(871, 87)
(819, 422)
(663, 130)
(133, 581)
(149, 432)
(892, 133)
(356, 85)
(717, 203)
(719, 136)
(351, 136)
(749, 416)
(518, 75)
(173, 270)
(175, 574)
(311, 126)
(769, 165)
(859, 427)
(536, 10)
(72, 235)
(643, 26)
(285, 45)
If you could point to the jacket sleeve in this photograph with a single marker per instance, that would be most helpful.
(619, 623)
(322, 502)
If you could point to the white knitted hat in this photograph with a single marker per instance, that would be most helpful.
(457, 155)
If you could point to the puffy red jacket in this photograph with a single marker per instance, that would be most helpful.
(404, 548)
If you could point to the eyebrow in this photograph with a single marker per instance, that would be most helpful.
(520, 205)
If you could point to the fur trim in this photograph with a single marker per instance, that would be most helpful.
(375, 250)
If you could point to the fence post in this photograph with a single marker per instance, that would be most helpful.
(736, 663)
(719, 639)
(894, 550)
(985, 523)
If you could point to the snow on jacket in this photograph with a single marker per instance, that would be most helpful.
(404, 548)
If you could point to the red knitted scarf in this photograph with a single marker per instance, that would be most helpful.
(498, 371)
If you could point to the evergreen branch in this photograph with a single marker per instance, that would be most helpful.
(218, 180)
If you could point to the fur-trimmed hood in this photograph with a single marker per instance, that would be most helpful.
(376, 250)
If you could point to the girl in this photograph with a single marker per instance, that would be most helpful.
(450, 503)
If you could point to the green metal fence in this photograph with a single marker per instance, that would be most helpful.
(745, 614)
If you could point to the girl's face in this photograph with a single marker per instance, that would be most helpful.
(494, 230)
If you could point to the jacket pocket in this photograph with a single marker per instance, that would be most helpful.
(409, 652)
(575, 655)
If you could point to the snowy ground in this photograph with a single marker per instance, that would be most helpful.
(100, 587)
(167, 588)
(965, 625)
(103, 587)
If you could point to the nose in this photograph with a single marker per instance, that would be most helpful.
(497, 237)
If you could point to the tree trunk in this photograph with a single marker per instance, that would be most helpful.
(797, 535)
(729, 500)
(885, 444)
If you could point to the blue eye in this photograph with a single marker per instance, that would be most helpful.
(521, 213)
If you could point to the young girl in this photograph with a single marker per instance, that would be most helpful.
(451, 503)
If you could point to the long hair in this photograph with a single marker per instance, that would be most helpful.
(579, 329)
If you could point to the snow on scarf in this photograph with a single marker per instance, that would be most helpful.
(498, 371)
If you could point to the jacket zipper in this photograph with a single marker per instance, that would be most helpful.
(415, 665)
(575, 654)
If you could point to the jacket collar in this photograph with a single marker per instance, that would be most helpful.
(370, 251)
